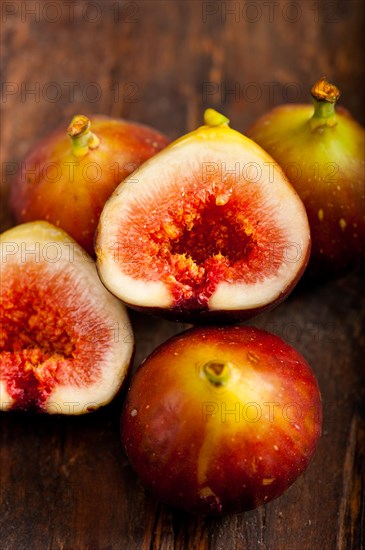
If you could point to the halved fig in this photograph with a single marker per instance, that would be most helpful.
(209, 229)
(65, 341)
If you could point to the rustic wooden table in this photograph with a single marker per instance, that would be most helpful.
(64, 482)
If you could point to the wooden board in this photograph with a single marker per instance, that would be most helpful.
(65, 482)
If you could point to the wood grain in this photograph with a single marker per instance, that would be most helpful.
(64, 482)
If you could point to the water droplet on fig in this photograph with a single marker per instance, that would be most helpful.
(342, 224)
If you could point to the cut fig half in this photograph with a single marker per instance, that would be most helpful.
(209, 229)
(65, 342)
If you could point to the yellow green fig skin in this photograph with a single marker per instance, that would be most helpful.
(324, 161)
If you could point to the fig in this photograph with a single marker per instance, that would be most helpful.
(66, 179)
(204, 231)
(321, 150)
(65, 342)
(220, 420)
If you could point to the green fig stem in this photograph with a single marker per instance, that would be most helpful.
(325, 96)
(82, 138)
(217, 372)
(213, 118)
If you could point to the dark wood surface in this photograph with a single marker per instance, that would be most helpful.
(64, 482)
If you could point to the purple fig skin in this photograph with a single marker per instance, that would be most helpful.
(189, 439)
(322, 154)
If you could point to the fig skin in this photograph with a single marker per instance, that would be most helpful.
(137, 223)
(193, 439)
(222, 317)
(321, 150)
(67, 185)
(66, 343)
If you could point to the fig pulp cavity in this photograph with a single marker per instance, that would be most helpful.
(207, 230)
(66, 179)
(65, 343)
(322, 152)
(221, 420)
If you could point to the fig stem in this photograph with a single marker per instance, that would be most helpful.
(325, 96)
(82, 138)
(213, 118)
(217, 372)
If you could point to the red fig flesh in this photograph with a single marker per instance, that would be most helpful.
(66, 343)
